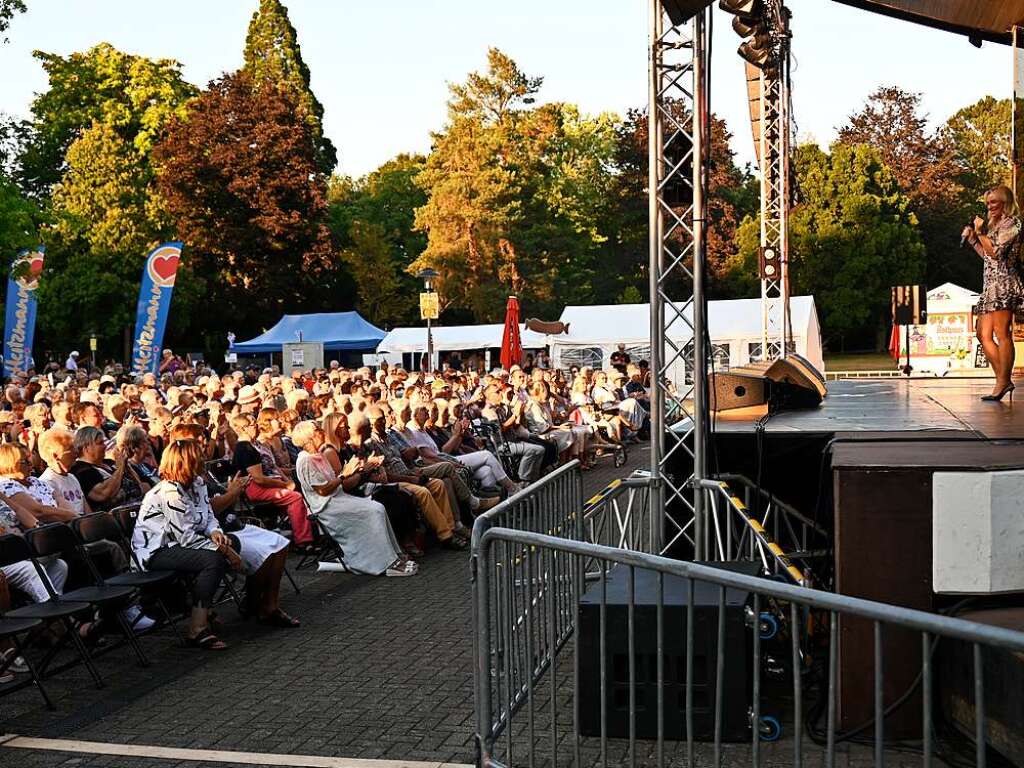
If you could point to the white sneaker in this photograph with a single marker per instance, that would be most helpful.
(138, 621)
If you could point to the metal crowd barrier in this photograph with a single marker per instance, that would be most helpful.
(529, 586)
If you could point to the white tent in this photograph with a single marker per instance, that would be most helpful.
(734, 326)
(448, 338)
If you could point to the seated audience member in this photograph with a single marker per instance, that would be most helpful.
(16, 519)
(105, 485)
(570, 440)
(177, 531)
(484, 465)
(267, 483)
(133, 442)
(610, 395)
(430, 495)
(57, 449)
(359, 525)
(532, 457)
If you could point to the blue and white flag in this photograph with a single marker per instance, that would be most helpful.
(20, 320)
(154, 305)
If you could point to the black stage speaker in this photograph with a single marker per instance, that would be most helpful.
(786, 384)
(736, 390)
(680, 11)
(909, 304)
(737, 676)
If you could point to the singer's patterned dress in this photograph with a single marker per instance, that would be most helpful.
(1003, 288)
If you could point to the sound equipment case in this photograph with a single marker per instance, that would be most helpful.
(738, 656)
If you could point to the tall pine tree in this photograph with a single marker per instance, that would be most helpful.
(272, 55)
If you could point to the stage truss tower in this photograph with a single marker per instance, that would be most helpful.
(676, 183)
(773, 153)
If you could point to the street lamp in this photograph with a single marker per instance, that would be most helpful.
(428, 276)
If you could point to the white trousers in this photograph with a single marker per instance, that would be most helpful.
(485, 467)
(25, 578)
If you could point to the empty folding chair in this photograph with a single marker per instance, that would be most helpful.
(14, 549)
(57, 539)
(102, 526)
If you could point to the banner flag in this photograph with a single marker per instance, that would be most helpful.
(154, 305)
(20, 320)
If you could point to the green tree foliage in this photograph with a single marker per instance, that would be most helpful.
(852, 237)
(517, 197)
(924, 166)
(378, 211)
(7, 10)
(19, 222)
(239, 176)
(131, 95)
(382, 295)
(272, 55)
(980, 137)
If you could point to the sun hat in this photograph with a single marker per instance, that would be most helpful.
(248, 395)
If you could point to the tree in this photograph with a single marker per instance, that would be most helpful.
(475, 187)
(519, 198)
(7, 10)
(980, 137)
(925, 168)
(732, 194)
(376, 214)
(240, 177)
(382, 296)
(272, 55)
(852, 237)
(132, 95)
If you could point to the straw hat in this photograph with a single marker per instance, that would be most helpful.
(248, 395)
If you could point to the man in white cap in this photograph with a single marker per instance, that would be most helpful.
(71, 363)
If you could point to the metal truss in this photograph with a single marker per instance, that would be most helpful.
(774, 140)
(677, 99)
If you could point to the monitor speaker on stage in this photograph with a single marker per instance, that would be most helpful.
(788, 383)
(909, 304)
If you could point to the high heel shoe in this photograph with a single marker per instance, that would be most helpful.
(996, 398)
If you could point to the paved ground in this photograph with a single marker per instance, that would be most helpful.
(381, 669)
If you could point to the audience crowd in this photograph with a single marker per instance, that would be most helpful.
(229, 473)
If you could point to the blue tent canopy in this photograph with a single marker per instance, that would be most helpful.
(337, 331)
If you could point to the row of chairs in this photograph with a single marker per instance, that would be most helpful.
(108, 596)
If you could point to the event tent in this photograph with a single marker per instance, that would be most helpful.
(448, 338)
(947, 341)
(734, 325)
(338, 331)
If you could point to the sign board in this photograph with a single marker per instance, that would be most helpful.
(230, 357)
(302, 355)
(429, 306)
(92, 343)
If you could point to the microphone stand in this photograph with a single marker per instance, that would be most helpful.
(908, 367)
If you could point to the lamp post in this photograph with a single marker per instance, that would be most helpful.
(428, 276)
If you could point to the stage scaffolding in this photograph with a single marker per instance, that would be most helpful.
(676, 205)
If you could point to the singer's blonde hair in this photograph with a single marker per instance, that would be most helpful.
(1009, 201)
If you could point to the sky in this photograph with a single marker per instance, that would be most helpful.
(381, 69)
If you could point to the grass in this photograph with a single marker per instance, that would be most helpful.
(862, 361)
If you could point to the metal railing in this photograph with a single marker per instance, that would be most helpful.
(661, 637)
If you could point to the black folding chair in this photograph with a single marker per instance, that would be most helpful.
(14, 549)
(325, 547)
(58, 539)
(103, 526)
(12, 630)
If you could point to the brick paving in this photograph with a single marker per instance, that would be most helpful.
(381, 668)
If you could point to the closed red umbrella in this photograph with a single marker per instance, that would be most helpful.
(511, 343)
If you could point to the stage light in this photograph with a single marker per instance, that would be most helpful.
(744, 27)
(748, 8)
(754, 53)
(768, 262)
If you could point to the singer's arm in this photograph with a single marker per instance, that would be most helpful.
(982, 245)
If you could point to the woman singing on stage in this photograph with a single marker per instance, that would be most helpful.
(1003, 291)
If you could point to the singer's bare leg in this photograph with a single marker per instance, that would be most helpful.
(1002, 327)
(988, 343)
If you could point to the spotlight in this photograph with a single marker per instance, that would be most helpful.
(748, 8)
(769, 262)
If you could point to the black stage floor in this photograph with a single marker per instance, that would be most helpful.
(946, 407)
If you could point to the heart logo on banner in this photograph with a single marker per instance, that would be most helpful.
(29, 268)
(163, 266)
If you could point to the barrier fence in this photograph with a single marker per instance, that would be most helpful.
(590, 654)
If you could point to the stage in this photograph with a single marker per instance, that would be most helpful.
(945, 408)
(861, 465)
